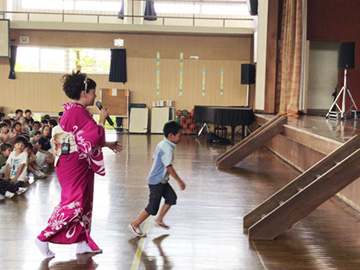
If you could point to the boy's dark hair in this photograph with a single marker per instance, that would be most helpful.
(2, 114)
(45, 121)
(21, 139)
(5, 146)
(3, 124)
(18, 111)
(15, 124)
(75, 83)
(27, 110)
(25, 135)
(36, 122)
(12, 119)
(53, 122)
(37, 132)
(7, 121)
(30, 145)
(172, 127)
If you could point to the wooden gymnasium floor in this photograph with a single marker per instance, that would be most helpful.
(206, 225)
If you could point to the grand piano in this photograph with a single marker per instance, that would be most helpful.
(225, 116)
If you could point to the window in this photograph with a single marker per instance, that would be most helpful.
(62, 60)
(205, 9)
(108, 6)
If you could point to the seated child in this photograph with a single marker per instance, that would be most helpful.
(16, 131)
(35, 139)
(12, 122)
(43, 123)
(32, 165)
(44, 154)
(5, 135)
(24, 128)
(28, 119)
(5, 150)
(16, 166)
(5, 187)
(18, 113)
(35, 127)
(53, 123)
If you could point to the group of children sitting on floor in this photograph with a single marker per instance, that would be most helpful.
(25, 151)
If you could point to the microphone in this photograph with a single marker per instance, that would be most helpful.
(99, 105)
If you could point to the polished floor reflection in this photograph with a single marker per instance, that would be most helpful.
(339, 130)
(206, 225)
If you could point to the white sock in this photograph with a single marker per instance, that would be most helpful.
(83, 247)
(9, 194)
(44, 248)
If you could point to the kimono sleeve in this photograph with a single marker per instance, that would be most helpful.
(94, 134)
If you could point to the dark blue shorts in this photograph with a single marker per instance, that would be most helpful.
(156, 192)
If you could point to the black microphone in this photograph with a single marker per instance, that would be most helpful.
(99, 105)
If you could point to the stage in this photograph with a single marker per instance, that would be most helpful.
(308, 139)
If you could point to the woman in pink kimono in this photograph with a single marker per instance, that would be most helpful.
(77, 144)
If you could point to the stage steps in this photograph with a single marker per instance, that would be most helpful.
(305, 193)
(252, 142)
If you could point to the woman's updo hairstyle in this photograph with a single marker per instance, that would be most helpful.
(75, 83)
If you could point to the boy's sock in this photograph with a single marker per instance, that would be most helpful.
(2, 197)
(83, 247)
(44, 248)
(21, 190)
(9, 194)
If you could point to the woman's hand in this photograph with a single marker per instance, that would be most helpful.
(103, 114)
(117, 148)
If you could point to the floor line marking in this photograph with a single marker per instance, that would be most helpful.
(137, 257)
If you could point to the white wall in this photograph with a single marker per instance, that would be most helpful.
(323, 74)
(261, 55)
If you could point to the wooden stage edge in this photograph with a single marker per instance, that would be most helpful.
(307, 139)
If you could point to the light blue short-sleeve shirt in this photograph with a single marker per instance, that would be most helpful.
(163, 157)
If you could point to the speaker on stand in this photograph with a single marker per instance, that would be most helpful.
(346, 52)
(247, 77)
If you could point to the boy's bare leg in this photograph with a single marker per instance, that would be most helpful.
(162, 213)
(141, 217)
(35, 166)
(30, 168)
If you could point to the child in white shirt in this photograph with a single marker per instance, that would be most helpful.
(16, 165)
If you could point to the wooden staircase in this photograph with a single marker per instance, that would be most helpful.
(252, 142)
(305, 193)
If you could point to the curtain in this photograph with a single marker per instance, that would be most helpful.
(118, 66)
(121, 12)
(150, 14)
(289, 64)
(12, 61)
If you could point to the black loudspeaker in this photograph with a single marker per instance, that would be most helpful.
(247, 74)
(253, 7)
(118, 66)
(346, 53)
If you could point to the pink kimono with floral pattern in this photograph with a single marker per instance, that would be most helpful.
(71, 220)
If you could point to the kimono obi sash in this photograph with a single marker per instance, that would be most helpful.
(59, 136)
